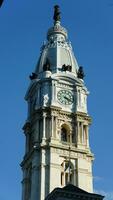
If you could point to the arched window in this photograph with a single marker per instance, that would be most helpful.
(65, 133)
(67, 173)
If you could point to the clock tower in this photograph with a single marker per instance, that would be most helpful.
(57, 127)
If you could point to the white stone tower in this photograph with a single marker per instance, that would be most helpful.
(57, 125)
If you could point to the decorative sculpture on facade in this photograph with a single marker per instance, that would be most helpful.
(81, 73)
(33, 76)
(45, 99)
(46, 66)
(67, 68)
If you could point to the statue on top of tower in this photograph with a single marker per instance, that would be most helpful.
(57, 13)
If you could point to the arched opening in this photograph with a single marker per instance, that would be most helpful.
(65, 133)
(67, 173)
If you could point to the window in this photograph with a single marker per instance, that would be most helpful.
(63, 135)
(67, 173)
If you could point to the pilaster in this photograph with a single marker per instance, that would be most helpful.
(42, 183)
(35, 187)
(44, 131)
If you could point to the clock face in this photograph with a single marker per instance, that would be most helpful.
(65, 97)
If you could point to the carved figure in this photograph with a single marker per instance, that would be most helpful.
(64, 67)
(45, 99)
(46, 66)
(81, 73)
(33, 76)
(67, 68)
(57, 12)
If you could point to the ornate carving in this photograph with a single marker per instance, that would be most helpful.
(53, 44)
(82, 116)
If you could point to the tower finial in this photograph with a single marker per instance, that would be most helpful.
(57, 13)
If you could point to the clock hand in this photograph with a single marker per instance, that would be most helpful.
(66, 98)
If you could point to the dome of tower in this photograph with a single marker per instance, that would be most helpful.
(56, 54)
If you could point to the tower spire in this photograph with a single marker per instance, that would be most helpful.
(57, 13)
(56, 129)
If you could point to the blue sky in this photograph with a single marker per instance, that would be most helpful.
(23, 27)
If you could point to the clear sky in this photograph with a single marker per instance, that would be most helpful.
(23, 27)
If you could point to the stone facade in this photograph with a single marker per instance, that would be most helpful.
(57, 126)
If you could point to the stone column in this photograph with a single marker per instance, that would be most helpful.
(79, 98)
(44, 131)
(64, 179)
(52, 92)
(24, 185)
(42, 175)
(52, 126)
(56, 121)
(87, 136)
(82, 131)
(26, 129)
(78, 133)
(75, 134)
(35, 188)
(70, 137)
(37, 132)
